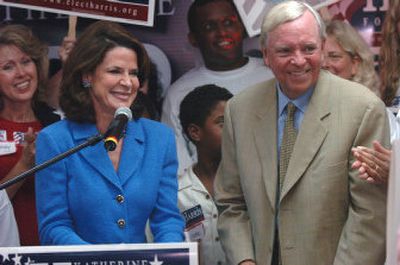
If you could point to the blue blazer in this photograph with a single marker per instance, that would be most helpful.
(83, 200)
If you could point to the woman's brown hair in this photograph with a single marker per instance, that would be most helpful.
(88, 53)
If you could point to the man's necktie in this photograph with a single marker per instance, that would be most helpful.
(288, 140)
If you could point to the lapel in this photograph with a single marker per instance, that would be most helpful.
(132, 151)
(265, 136)
(311, 135)
(97, 157)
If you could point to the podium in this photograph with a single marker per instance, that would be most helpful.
(113, 254)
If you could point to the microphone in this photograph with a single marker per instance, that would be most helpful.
(116, 129)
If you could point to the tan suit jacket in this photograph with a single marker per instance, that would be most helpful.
(327, 214)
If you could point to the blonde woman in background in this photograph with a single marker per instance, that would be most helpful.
(347, 55)
(374, 163)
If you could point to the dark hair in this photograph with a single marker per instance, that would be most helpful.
(192, 13)
(199, 103)
(23, 38)
(390, 53)
(145, 107)
(88, 53)
(154, 93)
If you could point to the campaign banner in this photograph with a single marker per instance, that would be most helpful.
(115, 254)
(366, 16)
(138, 12)
(252, 12)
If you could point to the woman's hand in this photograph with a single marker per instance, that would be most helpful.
(373, 164)
(26, 162)
(28, 154)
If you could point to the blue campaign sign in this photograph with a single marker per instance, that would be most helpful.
(121, 254)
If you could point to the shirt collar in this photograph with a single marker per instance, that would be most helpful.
(301, 102)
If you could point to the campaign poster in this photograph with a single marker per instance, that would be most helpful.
(138, 12)
(112, 254)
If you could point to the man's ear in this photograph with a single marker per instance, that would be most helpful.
(192, 39)
(265, 57)
(194, 132)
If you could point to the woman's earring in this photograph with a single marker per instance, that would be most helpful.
(86, 84)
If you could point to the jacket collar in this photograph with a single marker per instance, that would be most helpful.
(97, 157)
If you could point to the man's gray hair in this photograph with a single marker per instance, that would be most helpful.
(285, 12)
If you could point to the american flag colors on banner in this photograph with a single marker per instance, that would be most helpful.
(117, 254)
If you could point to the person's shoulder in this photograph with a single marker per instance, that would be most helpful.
(185, 178)
(352, 96)
(252, 99)
(347, 89)
(255, 92)
(154, 127)
(187, 78)
(59, 132)
(56, 127)
(183, 85)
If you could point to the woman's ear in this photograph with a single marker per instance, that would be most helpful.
(87, 78)
(86, 81)
(356, 60)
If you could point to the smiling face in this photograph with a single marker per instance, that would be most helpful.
(219, 36)
(18, 75)
(294, 52)
(337, 60)
(115, 81)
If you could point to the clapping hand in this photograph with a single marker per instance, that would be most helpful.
(373, 164)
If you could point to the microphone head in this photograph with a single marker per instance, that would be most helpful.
(124, 111)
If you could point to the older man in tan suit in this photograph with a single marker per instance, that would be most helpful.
(285, 188)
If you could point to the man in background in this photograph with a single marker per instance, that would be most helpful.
(217, 31)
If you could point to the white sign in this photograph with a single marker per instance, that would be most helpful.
(252, 12)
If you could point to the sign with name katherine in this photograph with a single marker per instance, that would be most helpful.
(139, 12)
(116, 254)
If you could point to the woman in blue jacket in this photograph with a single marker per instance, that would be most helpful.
(95, 196)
